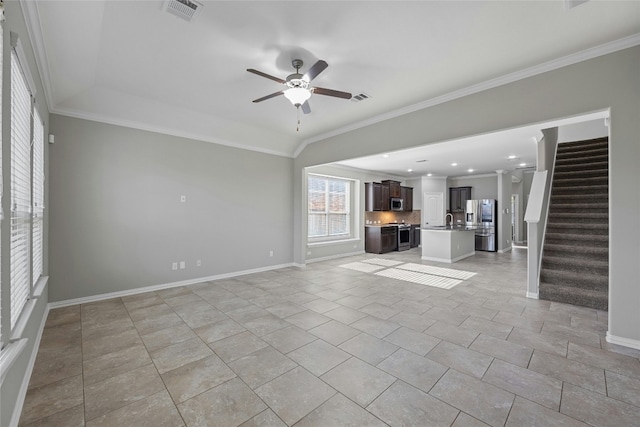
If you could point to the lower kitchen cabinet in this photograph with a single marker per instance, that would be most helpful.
(379, 240)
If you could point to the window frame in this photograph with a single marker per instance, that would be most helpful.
(348, 203)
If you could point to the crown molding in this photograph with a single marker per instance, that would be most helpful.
(101, 118)
(554, 64)
(34, 32)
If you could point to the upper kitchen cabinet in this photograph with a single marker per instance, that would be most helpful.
(376, 197)
(406, 193)
(458, 197)
(394, 188)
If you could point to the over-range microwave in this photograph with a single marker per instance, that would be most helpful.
(397, 204)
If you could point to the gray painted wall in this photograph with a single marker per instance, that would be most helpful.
(483, 187)
(609, 82)
(118, 223)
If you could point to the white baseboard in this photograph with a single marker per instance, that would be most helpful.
(327, 258)
(626, 342)
(17, 411)
(448, 261)
(119, 294)
(532, 295)
(504, 250)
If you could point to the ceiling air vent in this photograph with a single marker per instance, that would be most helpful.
(185, 9)
(360, 97)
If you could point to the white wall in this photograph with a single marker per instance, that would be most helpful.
(608, 82)
(584, 130)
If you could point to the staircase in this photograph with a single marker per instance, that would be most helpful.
(575, 257)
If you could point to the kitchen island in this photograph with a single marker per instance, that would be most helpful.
(448, 243)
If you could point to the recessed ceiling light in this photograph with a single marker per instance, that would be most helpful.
(429, 174)
(385, 155)
(469, 170)
(523, 164)
(511, 157)
(409, 170)
(454, 164)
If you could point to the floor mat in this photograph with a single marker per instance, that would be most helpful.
(438, 271)
(420, 278)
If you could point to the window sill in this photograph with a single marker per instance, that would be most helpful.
(332, 242)
(27, 310)
(9, 355)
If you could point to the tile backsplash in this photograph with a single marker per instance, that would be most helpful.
(386, 217)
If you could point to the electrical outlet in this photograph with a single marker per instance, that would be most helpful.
(174, 266)
(183, 199)
(198, 263)
(270, 253)
(183, 265)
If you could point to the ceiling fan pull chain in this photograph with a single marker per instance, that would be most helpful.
(298, 110)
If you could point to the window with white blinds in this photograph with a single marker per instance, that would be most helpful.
(329, 207)
(37, 226)
(20, 189)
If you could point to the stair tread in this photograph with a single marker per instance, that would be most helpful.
(575, 163)
(594, 215)
(600, 188)
(592, 298)
(578, 207)
(580, 225)
(585, 260)
(576, 248)
(564, 274)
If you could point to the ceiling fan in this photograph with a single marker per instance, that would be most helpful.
(297, 89)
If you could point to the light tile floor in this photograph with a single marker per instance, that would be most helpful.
(329, 346)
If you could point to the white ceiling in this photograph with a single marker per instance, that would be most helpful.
(130, 63)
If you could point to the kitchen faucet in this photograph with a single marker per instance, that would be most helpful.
(445, 219)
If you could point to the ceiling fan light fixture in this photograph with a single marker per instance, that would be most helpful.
(297, 95)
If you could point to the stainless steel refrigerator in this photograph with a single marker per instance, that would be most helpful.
(484, 215)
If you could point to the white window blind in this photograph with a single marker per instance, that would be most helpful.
(329, 207)
(38, 197)
(20, 189)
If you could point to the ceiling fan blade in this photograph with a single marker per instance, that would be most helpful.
(260, 73)
(316, 69)
(273, 95)
(305, 107)
(331, 92)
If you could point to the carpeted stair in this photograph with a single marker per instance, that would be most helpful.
(575, 258)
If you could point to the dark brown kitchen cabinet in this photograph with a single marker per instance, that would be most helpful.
(376, 197)
(380, 240)
(458, 197)
(406, 193)
(394, 188)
